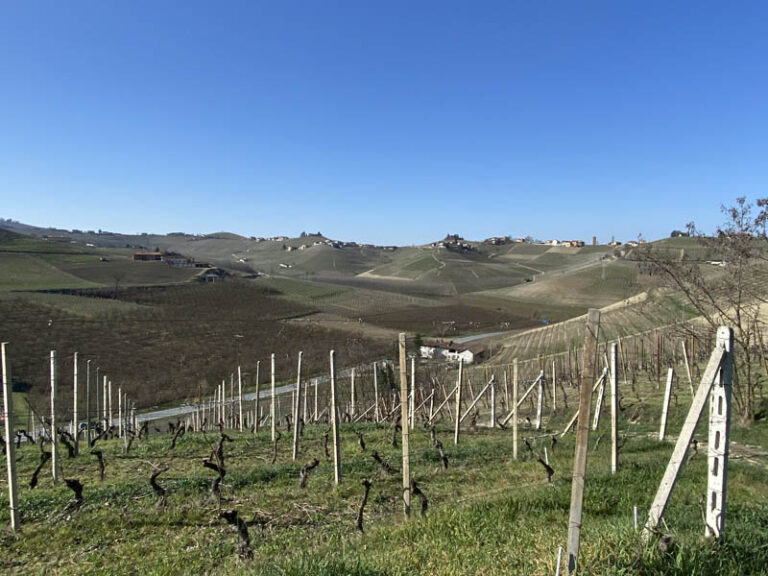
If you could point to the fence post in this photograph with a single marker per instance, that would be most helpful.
(404, 426)
(10, 445)
(614, 410)
(296, 417)
(514, 407)
(458, 401)
(665, 405)
(75, 422)
(272, 398)
(719, 431)
(335, 423)
(582, 438)
(54, 440)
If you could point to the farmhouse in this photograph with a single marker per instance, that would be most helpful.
(450, 352)
(145, 256)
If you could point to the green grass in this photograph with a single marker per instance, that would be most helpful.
(488, 514)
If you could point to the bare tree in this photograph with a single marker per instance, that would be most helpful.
(723, 277)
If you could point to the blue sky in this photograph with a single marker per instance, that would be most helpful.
(389, 122)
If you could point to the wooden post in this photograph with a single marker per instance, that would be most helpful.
(614, 410)
(104, 401)
(75, 422)
(124, 420)
(335, 423)
(10, 445)
(316, 414)
(599, 402)
(272, 413)
(120, 421)
(404, 426)
(554, 387)
(352, 403)
(97, 415)
(240, 396)
(458, 401)
(665, 406)
(296, 415)
(412, 402)
(376, 389)
(719, 432)
(256, 401)
(515, 384)
(109, 392)
(684, 439)
(582, 438)
(54, 439)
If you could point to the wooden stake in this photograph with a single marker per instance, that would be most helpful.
(272, 413)
(515, 403)
(582, 438)
(10, 445)
(665, 406)
(296, 415)
(54, 439)
(335, 423)
(404, 425)
(614, 410)
(458, 401)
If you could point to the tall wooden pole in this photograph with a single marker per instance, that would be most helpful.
(614, 409)
(335, 423)
(404, 427)
(582, 437)
(515, 384)
(272, 399)
(10, 445)
(296, 414)
(458, 401)
(54, 440)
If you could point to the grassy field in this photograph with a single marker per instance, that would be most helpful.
(487, 514)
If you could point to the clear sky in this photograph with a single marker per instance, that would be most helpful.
(393, 122)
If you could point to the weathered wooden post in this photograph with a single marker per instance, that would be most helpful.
(665, 405)
(272, 414)
(335, 423)
(458, 401)
(404, 427)
(376, 389)
(75, 422)
(10, 445)
(296, 415)
(54, 439)
(614, 410)
(515, 376)
(582, 437)
(240, 396)
(719, 437)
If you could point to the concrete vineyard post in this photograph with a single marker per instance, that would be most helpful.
(104, 401)
(240, 397)
(458, 401)
(296, 415)
(109, 392)
(719, 432)
(614, 410)
(335, 423)
(75, 422)
(492, 423)
(352, 406)
(120, 421)
(554, 387)
(515, 376)
(10, 445)
(256, 401)
(272, 398)
(54, 440)
(376, 389)
(582, 438)
(539, 400)
(404, 427)
(665, 405)
(87, 401)
(412, 402)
